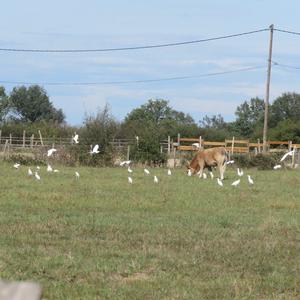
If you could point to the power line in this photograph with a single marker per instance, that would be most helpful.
(131, 81)
(133, 47)
(287, 31)
(285, 66)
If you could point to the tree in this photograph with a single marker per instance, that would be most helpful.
(214, 122)
(285, 107)
(249, 116)
(4, 105)
(32, 104)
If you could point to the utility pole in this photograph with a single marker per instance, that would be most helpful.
(265, 131)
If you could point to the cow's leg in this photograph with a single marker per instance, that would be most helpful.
(222, 168)
(201, 167)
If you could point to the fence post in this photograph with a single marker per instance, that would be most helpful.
(258, 145)
(290, 146)
(174, 157)
(31, 141)
(41, 138)
(200, 142)
(10, 139)
(5, 146)
(255, 151)
(24, 135)
(128, 152)
(293, 156)
(169, 145)
(0, 136)
(232, 145)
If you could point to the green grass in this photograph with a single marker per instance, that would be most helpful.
(184, 238)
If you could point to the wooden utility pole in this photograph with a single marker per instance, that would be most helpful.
(265, 131)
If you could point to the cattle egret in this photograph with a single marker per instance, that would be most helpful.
(236, 183)
(196, 145)
(230, 162)
(204, 176)
(75, 138)
(286, 155)
(211, 175)
(77, 175)
(125, 162)
(55, 171)
(95, 149)
(155, 179)
(250, 180)
(220, 183)
(16, 165)
(189, 172)
(137, 138)
(240, 172)
(37, 167)
(146, 171)
(51, 151)
(49, 168)
(37, 176)
(129, 170)
(277, 167)
(169, 172)
(29, 172)
(129, 180)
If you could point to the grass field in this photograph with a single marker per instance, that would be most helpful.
(184, 238)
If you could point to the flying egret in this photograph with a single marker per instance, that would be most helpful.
(95, 149)
(169, 172)
(129, 180)
(277, 167)
(75, 138)
(286, 155)
(230, 162)
(211, 175)
(77, 175)
(37, 176)
(51, 151)
(220, 183)
(49, 168)
(146, 171)
(250, 180)
(240, 172)
(125, 163)
(17, 165)
(189, 172)
(129, 170)
(236, 183)
(29, 172)
(155, 179)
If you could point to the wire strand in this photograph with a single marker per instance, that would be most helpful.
(287, 31)
(131, 81)
(284, 65)
(134, 47)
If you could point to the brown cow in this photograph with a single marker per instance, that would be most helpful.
(208, 158)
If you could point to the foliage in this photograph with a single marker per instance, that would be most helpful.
(32, 104)
(4, 104)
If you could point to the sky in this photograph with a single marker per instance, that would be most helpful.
(91, 24)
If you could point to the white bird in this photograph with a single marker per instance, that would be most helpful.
(240, 172)
(230, 162)
(56, 171)
(237, 182)
(129, 180)
(37, 176)
(169, 172)
(189, 172)
(250, 180)
(75, 138)
(51, 151)
(196, 145)
(204, 176)
(37, 167)
(220, 183)
(49, 168)
(95, 149)
(286, 155)
(77, 175)
(129, 170)
(125, 162)
(155, 179)
(29, 172)
(137, 138)
(277, 167)
(211, 175)
(17, 165)
(146, 171)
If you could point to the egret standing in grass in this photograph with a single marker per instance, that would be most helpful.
(236, 183)
(277, 167)
(146, 171)
(51, 151)
(250, 180)
(211, 175)
(49, 168)
(17, 165)
(129, 170)
(189, 172)
(29, 172)
(169, 172)
(240, 172)
(155, 179)
(37, 176)
(77, 175)
(130, 180)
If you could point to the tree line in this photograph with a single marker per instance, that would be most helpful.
(30, 108)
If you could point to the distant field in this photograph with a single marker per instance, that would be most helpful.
(184, 238)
